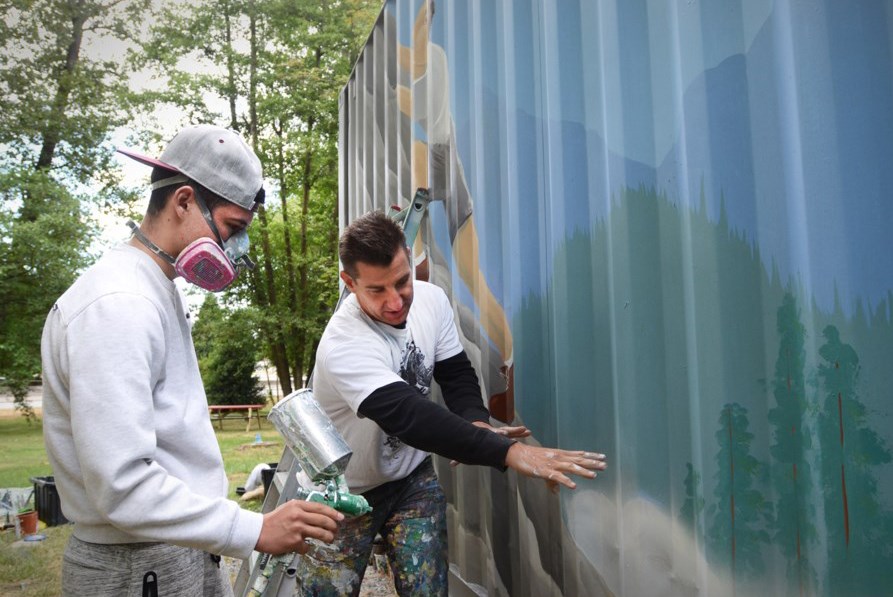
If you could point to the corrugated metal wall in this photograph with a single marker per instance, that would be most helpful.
(665, 228)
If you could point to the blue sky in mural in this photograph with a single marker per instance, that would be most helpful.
(808, 182)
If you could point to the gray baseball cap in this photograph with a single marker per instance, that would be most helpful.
(216, 158)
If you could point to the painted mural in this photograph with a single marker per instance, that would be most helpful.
(665, 231)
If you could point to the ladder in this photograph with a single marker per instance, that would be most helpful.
(285, 480)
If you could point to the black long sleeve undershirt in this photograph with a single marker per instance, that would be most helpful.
(460, 388)
(401, 411)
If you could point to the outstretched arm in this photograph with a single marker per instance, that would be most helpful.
(401, 411)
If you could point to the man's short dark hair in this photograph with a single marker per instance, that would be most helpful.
(373, 238)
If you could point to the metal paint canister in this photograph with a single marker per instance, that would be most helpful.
(311, 435)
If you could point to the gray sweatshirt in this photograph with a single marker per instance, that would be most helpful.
(126, 421)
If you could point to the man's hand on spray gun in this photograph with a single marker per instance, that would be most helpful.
(286, 528)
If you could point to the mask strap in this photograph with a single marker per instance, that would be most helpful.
(207, 215)
(149, 244)
(165, 182)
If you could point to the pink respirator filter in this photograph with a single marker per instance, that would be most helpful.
(204, 264)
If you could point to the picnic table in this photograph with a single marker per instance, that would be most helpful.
(248, 411)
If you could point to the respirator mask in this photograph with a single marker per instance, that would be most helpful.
(208, 264)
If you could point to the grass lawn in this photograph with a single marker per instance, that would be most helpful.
(34, 570)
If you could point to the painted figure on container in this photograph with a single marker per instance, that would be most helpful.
(436, 164)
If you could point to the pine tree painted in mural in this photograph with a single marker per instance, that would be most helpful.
(793, 531)
(738, 519)
(859, 553)
(693, 506)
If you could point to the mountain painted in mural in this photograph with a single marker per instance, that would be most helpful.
(802, 158)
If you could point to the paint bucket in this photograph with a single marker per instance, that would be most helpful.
(311, 435)
(28, 522)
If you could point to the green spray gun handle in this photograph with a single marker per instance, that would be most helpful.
(343, 501)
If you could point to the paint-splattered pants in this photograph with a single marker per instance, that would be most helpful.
(410, 514)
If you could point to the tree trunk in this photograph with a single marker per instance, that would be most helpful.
(230, 69)
(277, 346)
(52, 132)
(291, 285)
(306, 185)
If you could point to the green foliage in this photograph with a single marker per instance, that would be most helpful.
(794, 531)
(42, 246)
(693, 506)
(211, 318)
(57, 110)
(278, 67)
(228, 352)
(737, 530)
(305, 316)
(58, 104)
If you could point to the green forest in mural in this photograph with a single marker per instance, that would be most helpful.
(858, 528)
(762, 418)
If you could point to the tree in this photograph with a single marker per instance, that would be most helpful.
(858, 556)
(211, 318)
(693, 506)
(737, 531)
(227, 347)
(57, 108)
(279, 66)
(314, 45)
(791, 475)
(38, 259)
(58, 105)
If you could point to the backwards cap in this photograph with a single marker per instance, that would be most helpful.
(216, 158)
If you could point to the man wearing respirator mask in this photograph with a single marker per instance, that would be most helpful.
(136, 462)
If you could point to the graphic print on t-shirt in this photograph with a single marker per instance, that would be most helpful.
(413, 369)
(414, 372)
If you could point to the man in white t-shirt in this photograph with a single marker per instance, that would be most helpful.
(374, 368)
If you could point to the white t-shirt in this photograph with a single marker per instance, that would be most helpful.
(358, 355)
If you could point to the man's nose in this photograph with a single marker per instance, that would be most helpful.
(394, 299)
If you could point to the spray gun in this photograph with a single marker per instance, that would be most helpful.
(319, 449)
(323, 456)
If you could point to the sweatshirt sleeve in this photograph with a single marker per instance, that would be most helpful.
(401, 411)
(114, 350)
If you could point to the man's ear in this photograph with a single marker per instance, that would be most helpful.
(181, 198)
(348, 281)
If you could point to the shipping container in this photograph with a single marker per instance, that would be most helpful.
(666, 229)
